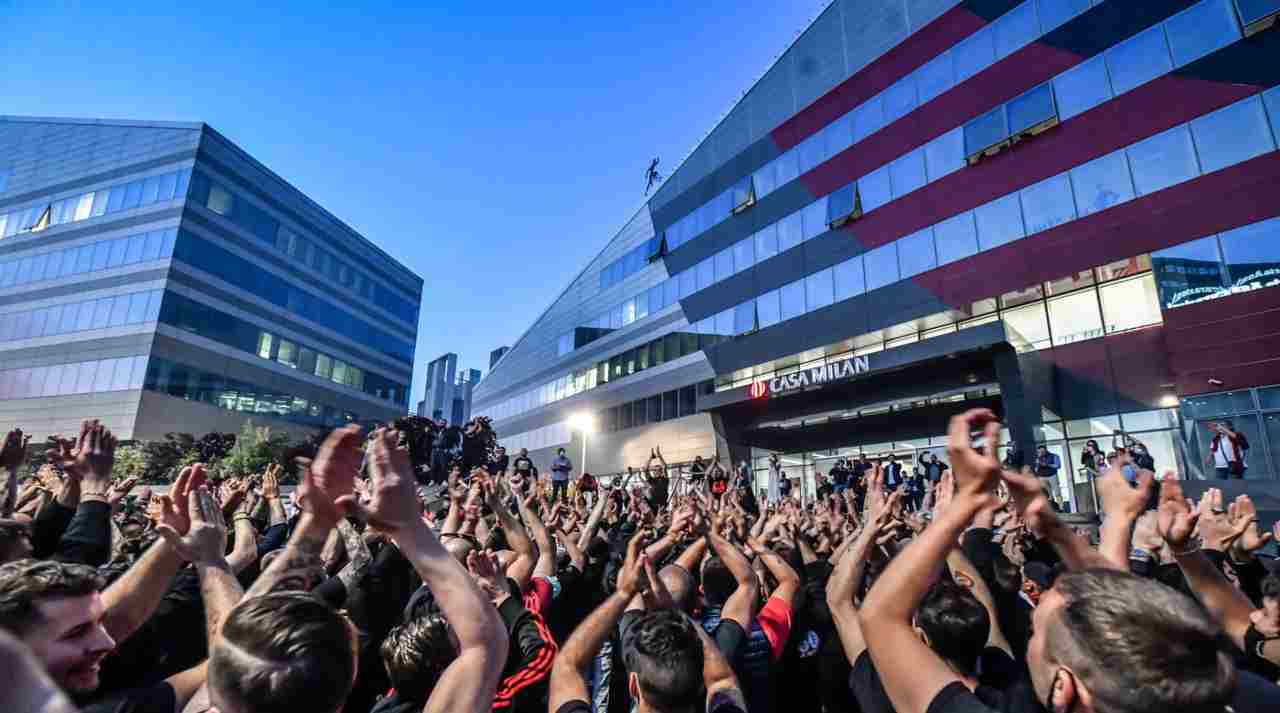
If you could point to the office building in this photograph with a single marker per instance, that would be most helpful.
(1062, 210)
(448, 390)
(496, 354)
(155, 276)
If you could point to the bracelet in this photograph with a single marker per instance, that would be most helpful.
(241, 516)
(1137, 553)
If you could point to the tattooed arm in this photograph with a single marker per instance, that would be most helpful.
(299, 564)
(358, 555)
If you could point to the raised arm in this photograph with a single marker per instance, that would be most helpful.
(967, 574)
(521, 568)
(1225, 603)
(911, 672)
(788, 581)
(597, 513)
(1122, 505)
(843, 586)
(741, 605)
(568, 673)
(468, 684)
(545, 565)
(12, 454)
(271, 493)
(1029, 499)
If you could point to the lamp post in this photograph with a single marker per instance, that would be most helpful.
(586, 424)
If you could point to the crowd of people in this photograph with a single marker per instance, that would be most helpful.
(359, 592)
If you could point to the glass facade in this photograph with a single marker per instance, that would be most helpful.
(1240, 260)
(49, 212)
(83, 377)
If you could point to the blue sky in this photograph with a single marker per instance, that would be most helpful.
(494, 148)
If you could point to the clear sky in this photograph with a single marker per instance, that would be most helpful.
(492, 147)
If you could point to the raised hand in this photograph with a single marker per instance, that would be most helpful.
(89, 460)
(119, 490)
(631, 577)
(205, 540)
(271, 482)
(337, 463)
(173, 511)
(14, 451)
(487, 572)
(1244, 519)
(1177, 519)
(975, 474)
(393, 505)
(1216, 529)
(1120, 500)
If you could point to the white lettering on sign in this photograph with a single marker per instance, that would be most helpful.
(813, 377)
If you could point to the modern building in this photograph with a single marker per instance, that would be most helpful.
(1063, 210)
(448, 390)
(496, 354)
(156, 276)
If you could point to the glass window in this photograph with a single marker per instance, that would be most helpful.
(1163, 160)
(767, 242)
(915, 253)
(945, 154)
(265, 341)
(168, 184)
(906, 174)
(1131, 303)
(956, 238)
(936, 77)
(841, 203)
(792, 298)
(1252, 254)
(70, 315)
(101, 313)
(999, 222)
(1048, 203)
(1056, 12)
(706, 273)
(1016, 29)
(868, 118)
(744, 317)
(219, 201)
(975, 54)
(874, 189)
(688, 282)
(671, 291)
(117, 252)
(151, 245)
(288, 353)
(119, 311)
(848, 278)
(766, 179)
(1101, 183)
(818, 289)
(137, 310)
(814, 218)
(104, 375)
(84, 379)
(655, 298)
(339, 375)
(839, 135)
(122, 375)
(1231, 135)
(101, 253)
(1138, 59)
(85, 318)
(1271, 98)
(790, 232)
(882, 266)
(899, 99)
(150, 190)
(1071, 282)
(1201, 29)
(768, 309)
(1075, 317)
(813, 151)
(628, 312)
(744, 254)
(1029, 322)
(153, 305)
(1082, 87)
(1189, 272)
(134, 252)
(985, 131)
(1030, 109)
(53, 325)
(788, 166)
(641, 305)
(132, 195)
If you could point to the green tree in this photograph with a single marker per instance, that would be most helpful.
(131, 462)
(255, 448)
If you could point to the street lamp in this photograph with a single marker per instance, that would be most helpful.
(583, 422)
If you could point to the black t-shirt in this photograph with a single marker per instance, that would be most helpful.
(956, 698)
(997, 667)
(696, 471)
(159, 698)
(524, 465)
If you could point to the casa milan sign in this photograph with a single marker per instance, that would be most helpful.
(814, 377)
